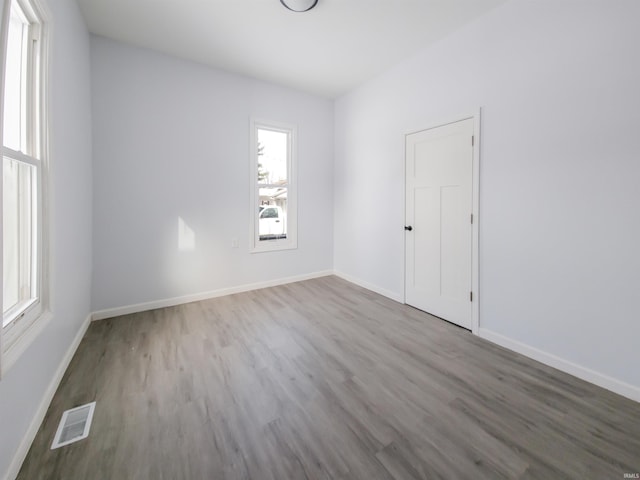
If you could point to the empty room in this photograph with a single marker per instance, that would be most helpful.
(320, 239)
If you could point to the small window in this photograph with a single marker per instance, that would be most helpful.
(273, 188)
(22, 176)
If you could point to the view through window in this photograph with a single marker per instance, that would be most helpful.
(272, 184)
(273, 188)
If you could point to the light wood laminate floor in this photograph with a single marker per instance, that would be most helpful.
(324, 380)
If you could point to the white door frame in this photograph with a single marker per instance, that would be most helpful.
(475, 231)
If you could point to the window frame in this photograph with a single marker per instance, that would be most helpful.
(28, 321)
(291, 242)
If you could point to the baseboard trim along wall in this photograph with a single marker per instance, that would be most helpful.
(196, 297)
(630, 391)
(617, 386)
(621, 388)
(370, 286)
(38, 418)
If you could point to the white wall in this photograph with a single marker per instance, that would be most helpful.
(171, 140)
(25, 385)
(559, 196)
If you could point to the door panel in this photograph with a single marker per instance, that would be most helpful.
(439, 174)
(426, 275)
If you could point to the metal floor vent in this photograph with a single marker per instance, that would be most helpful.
(74, 425)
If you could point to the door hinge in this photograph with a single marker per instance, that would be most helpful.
(471, 296)
(473, 140)
(472, 219)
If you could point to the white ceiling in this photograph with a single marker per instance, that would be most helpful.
(326, 51)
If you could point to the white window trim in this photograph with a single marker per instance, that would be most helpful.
(291, 242)
(16, 337)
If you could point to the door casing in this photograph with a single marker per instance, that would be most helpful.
(475, 231)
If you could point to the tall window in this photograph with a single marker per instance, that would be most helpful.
(273, 192)
(22, 173)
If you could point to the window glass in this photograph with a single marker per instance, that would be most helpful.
(21, 174)
(272, 224)
(273, 186)
(269, 213)
(15, 80)
(273, 171)
(19, 245)
(272, 153)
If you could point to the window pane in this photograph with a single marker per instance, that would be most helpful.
(15, 81)
(272, 213)
(19, 252)
(272, 157)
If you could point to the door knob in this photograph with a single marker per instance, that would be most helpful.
(409, 228)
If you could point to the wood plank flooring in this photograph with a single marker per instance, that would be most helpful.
(324, 380)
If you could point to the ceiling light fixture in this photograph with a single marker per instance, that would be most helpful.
(299, 5)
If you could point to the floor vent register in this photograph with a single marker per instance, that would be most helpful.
(74, 425)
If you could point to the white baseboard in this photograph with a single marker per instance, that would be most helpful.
(617, 386)
(566, 366)
(621, 388)
(370, 286)
(40, 413)
(196, 297)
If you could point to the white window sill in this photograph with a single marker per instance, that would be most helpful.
(12, 352)
(274, 246)
(19, 310)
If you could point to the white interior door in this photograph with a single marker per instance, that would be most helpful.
(438, 232)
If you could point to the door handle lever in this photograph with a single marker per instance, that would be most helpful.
(408, 228)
